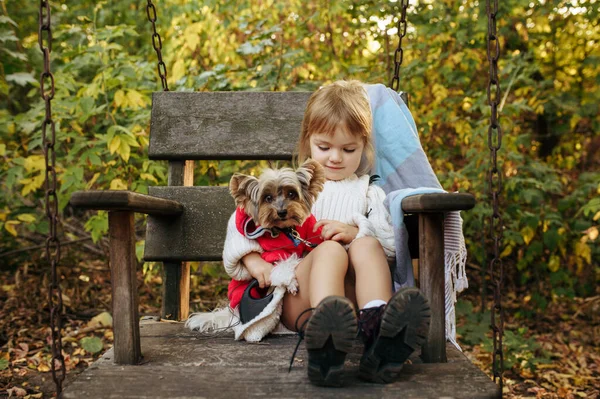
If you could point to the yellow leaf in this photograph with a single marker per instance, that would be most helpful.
(583, 251)
(135, 99)
(507, 251)
(124, 150)
(2, 150)
(597, 216)
(592, 233)
(120, 99)
(115, 144)
(148, 176)
(528, 233)
(92, 181)
(554, 263)
(26, 217)
(10, 226)
(178, 70)
(32, 183)
(117, 184)
(34, 162)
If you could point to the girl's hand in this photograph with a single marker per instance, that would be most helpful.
(336, 231)
(258, 268)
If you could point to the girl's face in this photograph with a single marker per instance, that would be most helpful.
(340, 153)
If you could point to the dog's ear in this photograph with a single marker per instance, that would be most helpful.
(312, 177)
(243, 189)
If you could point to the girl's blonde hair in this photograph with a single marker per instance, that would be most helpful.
(341, 103)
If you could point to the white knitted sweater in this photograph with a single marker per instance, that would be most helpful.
(347, 201)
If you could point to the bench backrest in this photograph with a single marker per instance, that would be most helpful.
(212, 126)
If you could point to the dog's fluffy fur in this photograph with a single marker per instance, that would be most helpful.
(279, 197)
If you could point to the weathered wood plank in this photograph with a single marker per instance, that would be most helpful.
(124, 287)
(431, 283)
(122, 200)
(225, 125)
(198, 234)
(181, 364)
(176, 275)
(442, 202)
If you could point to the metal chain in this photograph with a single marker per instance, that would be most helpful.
(399, 53)
(157, 44)
(495, 188)
(51, 200)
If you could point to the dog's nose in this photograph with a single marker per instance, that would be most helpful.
(282, 213)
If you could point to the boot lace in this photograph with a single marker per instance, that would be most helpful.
(369, 320)
(300, 332)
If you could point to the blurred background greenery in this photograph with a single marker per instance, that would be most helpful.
(105, 71)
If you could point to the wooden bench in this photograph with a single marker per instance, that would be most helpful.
(187, 223)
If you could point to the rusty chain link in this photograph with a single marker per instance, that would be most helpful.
(157, 44)
(495, 188)
(399, 53)
(51, 200)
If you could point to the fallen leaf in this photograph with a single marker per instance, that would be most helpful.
(16, 392)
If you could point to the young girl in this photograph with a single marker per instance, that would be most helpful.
(350, 268)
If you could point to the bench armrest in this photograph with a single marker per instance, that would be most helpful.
(438, 202)
(121, 200)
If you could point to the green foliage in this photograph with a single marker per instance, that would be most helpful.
(519, 348)
(105, 72)
(91, 344)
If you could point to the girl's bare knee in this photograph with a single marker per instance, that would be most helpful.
(331, 252)
(366, 243)
(330, 248)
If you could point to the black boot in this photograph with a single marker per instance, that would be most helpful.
(329, 335)
(391, 333)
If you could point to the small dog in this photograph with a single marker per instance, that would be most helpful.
(275, 210)
(280, 198)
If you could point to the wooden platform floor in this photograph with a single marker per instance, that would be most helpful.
(181, 364)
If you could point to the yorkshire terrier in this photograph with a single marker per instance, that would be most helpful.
(279, 198)
(275, 210)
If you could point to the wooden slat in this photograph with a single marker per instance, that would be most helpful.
(182, 364)
(176, 275)
(442, 202)
(121, 200)
(124, 287)
(225, 125)
(431, 283)
(198, 233)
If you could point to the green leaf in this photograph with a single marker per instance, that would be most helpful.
(3, 364)
(21, 78)
(91, 344)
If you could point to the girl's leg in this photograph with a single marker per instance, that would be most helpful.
(330, 327)
(320, 274)
(392, 332)
(373, 279)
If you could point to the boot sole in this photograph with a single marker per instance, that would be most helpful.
(404, 328)
(329, 337)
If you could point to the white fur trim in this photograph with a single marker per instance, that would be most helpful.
(284, 274)
(257, 328)
(283, 278)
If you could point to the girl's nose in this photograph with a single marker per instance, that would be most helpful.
(335, 156)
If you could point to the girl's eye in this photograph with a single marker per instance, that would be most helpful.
(268, 199)
(350, 151)
(291, 195)
(323, 148)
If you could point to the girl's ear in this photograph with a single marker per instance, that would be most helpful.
(243, 189)
(312, 177)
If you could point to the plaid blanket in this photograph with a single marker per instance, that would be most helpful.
(405, 170)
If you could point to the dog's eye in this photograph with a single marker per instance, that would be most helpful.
(292, 195)
(268, 199)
